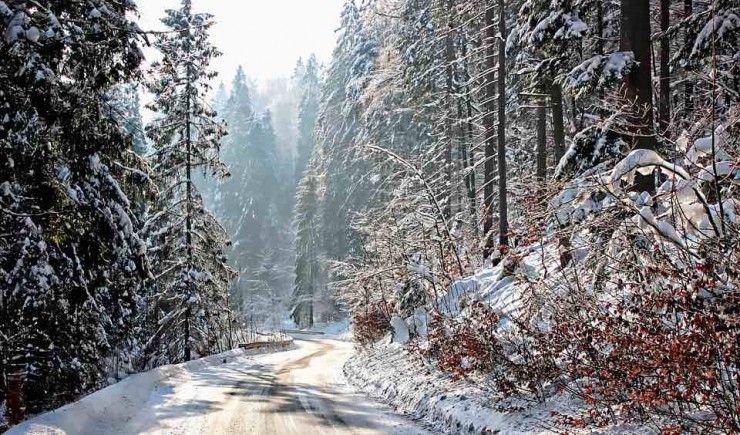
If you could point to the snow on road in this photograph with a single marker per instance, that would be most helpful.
(299, 391)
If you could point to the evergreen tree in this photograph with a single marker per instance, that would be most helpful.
(187, 243)
(71, 261)
(239, 117)
(338, 125)
(309, 273)
(220, 100)
(307, 113)
(343, 181)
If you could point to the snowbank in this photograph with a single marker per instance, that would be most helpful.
(389, 373)
(118, 402)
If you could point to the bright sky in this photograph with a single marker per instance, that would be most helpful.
(265, 36)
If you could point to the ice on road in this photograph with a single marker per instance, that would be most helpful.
(298, 391)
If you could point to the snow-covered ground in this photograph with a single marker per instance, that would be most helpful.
(338, 330)
(297, 391)
(391, 374)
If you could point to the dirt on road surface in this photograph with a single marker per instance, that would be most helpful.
(299, 391)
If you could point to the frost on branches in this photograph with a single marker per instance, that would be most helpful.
(641, 325)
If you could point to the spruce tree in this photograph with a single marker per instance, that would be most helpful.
(71, 261)
(187, 243)
(307, 113)
(308, 251)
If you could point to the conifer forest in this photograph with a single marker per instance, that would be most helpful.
(477, 216)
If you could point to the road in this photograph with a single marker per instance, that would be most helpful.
(299, 391)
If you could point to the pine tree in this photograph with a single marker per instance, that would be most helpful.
(547, 38)
(71, 261)
(307, 113)
(308, 249)
(338, 125)
(239, 117)
(187, 243)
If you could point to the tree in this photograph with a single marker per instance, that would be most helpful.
(638, 89)
(309, 85)
(338, 125)
(489, 173)
(125, 107)
(308, 249)
(664, 106)
(551, 32)
(186, 241)
(71, 261)
(501, 152)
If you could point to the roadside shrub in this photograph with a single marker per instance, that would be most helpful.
(667, 350)
(371, 323)
(510, 357)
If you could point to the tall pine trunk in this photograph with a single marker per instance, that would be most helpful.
(689, 41)
(558, 124)
(449, 103)
(188, 205)
(488, 124)
(638, 87)
(664, 109)
(467, 141)
(541, 151)
(502, 201)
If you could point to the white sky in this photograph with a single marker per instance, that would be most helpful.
(265, 36)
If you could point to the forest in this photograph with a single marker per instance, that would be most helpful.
(540, 195)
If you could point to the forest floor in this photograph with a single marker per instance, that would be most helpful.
(296, 391)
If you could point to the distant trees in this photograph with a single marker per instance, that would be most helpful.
(125, 107)
(309, 271)
(342, 185)
(188, 305)
(251, 204)
(309, 86)
(306, 219)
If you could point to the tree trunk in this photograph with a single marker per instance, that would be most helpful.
(188, 204)
(450, 94)
(638, 87)
(469, 157)
(599, 48)
(689, 86)
(188, 225)
(558, 125)
(665, 70)
(502, 202)
(541, 152)
(490, 148)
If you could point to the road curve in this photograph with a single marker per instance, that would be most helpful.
(299, 391)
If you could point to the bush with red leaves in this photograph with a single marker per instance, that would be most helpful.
(371, 323)
(668, 349)
(515, 363)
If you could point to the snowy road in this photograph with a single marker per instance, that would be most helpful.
(298, 391)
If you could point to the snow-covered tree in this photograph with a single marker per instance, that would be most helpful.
(71, 261)
(309, 85)
(187, 244)
(309, 270)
